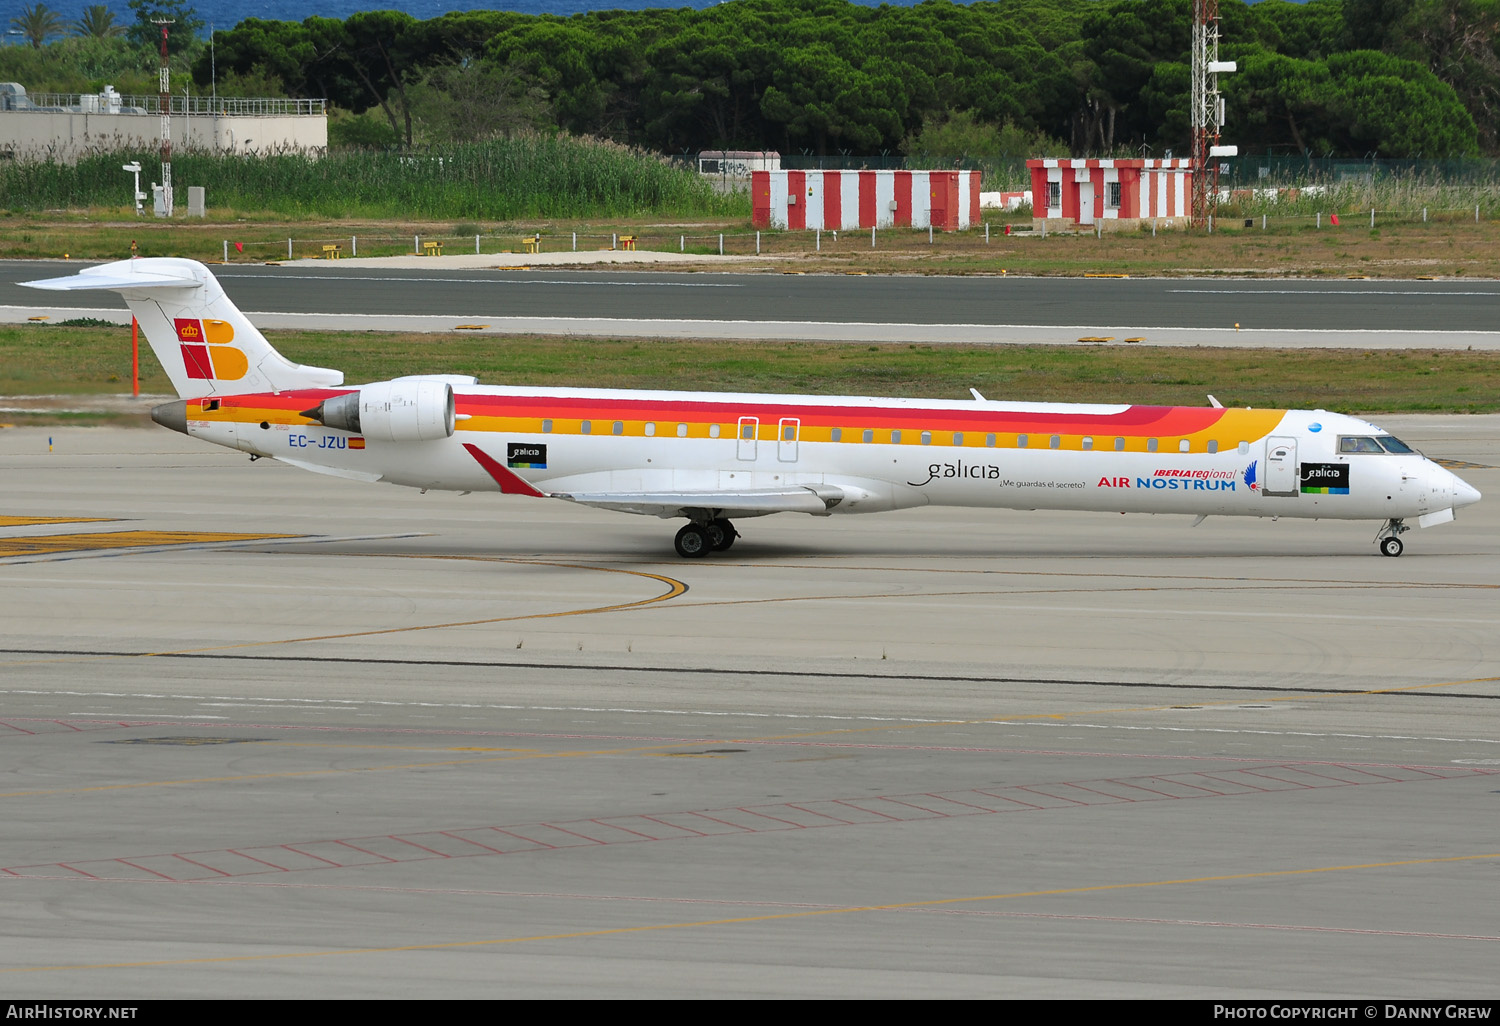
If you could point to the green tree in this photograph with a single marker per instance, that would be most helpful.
(97, 21)
(38, 23)
(962, 134)
(472, 102)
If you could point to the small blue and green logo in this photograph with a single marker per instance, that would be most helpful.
(526, 455)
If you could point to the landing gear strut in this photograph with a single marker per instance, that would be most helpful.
(1389, 537)
(696, 540)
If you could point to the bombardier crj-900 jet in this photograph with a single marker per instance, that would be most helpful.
(715, 457)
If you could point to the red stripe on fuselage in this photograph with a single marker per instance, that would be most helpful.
(1139, 420)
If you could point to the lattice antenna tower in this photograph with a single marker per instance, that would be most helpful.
(166, 121)
(1207, 110)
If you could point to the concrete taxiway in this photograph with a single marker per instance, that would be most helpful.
(274, 734)
(980, 310)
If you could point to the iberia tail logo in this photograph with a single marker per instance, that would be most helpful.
(206, 352)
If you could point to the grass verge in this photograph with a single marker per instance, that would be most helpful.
(72, 361)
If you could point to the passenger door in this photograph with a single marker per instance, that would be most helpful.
(745, 437)
(1281, 467)
(787, 431)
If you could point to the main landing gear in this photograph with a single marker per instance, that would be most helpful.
(1389, 537)
(698, 539)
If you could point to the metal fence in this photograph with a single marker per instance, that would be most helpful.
(115, 103)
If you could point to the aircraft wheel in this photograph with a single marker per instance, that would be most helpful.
(721, 534)
(693, 541)
(1391, 546)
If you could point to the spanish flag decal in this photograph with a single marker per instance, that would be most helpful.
(356, 443)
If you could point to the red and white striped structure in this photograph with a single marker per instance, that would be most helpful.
(948, 200)
(1088, 190)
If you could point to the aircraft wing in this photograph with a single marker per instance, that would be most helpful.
(747, 503)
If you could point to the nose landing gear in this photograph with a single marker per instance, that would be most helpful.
(1389, 537)
(696, 540)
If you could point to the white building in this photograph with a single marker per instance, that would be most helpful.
(64, 127)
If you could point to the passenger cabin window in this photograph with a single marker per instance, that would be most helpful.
(713, 431)
(1150, 445)
(1213, 446)
(619, 427)
(586, 427)
(869, 435)
(926, 437)
(1356, 443)
(1395, 445)
(650, 430)
(895, 438)
(1088, 443)
(681, 430)
(1021, 441)
(989, 440)
(1055, 441)
(546, 427)
(1244, 448)
(958, 438)
(1184, 446)
(836, 435)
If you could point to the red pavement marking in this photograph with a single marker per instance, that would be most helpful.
(820, 815)
(414, 844)
(672, 826)
(615, 826)
(466, 840)
(854, 804)
(252, 858)
(200, 865)
(310, 855)
(765, 821)
(132, 865)
(384, 858)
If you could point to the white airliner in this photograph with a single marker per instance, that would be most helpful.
(710, 457)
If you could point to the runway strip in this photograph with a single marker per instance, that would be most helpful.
(837, 331)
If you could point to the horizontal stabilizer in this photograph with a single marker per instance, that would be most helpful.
(200, 338)
(751, 502)
(112, 278)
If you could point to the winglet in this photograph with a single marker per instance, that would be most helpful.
(1214, 402)
(509, 483)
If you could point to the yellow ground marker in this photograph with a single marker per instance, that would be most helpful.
(6, 521)
(470, 327)
(43, 545)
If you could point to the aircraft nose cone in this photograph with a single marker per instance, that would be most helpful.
(1464, 494)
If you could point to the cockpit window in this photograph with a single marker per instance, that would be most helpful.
(1395, 445)
(1354, 443)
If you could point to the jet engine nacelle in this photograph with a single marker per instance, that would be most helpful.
(403, 410)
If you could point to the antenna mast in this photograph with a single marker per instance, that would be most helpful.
(164, 206)
(1207, 110)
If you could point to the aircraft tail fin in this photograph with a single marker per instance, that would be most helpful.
(206, 346)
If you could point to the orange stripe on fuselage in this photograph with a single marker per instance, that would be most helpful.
(525, 415)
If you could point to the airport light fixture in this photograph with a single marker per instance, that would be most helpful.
(134, 168)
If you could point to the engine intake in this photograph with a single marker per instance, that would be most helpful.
(404, 410)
